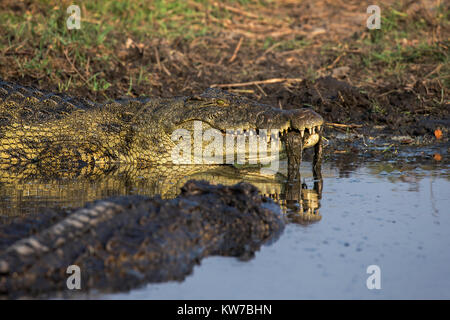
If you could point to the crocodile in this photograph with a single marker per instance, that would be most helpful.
(54, 134)
(136, 239)
(50, 140)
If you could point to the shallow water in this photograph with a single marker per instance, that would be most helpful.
(393, 214)
(375, 214)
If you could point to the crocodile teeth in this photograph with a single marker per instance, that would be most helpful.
(312, 130)
(302, 132)
(318, 128)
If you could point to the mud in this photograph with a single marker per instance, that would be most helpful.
(399, 111)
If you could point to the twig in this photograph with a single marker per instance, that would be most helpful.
(158, 61)
(251, 83)
(74, 68)
(336, 60)
(236, 10)
(437, 69)
(333, 63)
(87, 66)
(268, 50)
(242, 90)
(236, 50)
(341, 125)
(166, 70)
(273, 34)
(261, 89)
(340, 151)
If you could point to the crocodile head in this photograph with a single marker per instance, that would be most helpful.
(229, 113)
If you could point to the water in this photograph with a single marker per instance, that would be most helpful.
(393, 214)
(373, 215)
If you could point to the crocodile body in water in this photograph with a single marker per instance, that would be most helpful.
(133, 240)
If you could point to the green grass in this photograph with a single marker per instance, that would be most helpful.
(401, 43)
(376, 108)
(105, 25)
(37, 40)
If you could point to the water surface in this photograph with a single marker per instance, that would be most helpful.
(393, 214)
(376, 214)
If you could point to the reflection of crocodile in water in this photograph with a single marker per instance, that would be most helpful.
(46, 137)
(32, 194)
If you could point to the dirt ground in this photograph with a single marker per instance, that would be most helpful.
(290, 54)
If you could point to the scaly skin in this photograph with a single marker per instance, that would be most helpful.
(52, 133)
(46, 137)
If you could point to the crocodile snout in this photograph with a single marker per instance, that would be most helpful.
(305, 119)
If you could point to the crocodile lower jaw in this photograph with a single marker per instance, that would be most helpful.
(311, 140)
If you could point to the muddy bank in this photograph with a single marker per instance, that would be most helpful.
(394, 109)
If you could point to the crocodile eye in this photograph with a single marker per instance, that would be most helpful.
(222, 103)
